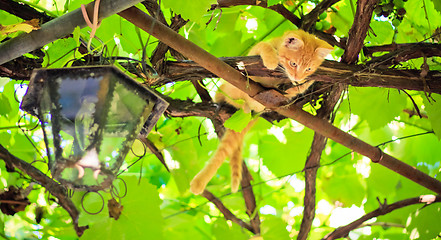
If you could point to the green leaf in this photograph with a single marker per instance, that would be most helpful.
(5, 107)
(437, 5)
(384, 33)
(141, 206)
(382, 181)
(378, 106)
(433, 109)
(422, 16)
(272, 2)
(59, 53)
(26, 26)
(274, 228)
(342, 20)
(285, 158)
(424, 223)
(9, 93)
(408, 188)
(419, 150)
(222, 46)
(238, 121)
(189, 9)
(186, 154)
(224, 24)
(222, 231)
(22, 148)
(2, 227)
(353, 191)
(76, 35)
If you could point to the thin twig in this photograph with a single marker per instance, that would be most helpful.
(382, 210)
(53, 187)
(225, 211)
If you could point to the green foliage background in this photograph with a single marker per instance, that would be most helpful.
(159, 205)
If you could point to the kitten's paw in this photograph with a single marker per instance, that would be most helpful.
(270, 62)
(196, 186)
(292, 92)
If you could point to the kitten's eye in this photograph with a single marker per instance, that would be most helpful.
(308, 69)
(293, 64)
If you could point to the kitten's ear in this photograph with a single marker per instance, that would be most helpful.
(293, 42)
(322, 52)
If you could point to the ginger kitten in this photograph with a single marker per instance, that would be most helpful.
(299, 54)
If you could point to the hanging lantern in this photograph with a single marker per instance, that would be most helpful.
(90, 117)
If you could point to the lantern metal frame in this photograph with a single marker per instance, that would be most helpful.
(44, 90)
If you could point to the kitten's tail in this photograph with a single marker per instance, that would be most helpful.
(229, 146)
(236, 168)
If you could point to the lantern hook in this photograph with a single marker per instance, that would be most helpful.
(93, 25)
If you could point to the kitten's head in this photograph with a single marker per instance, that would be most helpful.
(301, 53)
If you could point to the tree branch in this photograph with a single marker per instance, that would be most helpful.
(177, 22)
(57, 28)
(225, 211)
(382, 210)
(358, 31)
(313, 162)
(325, 112)
(53, 187)
(151, 146)
(250, 199)
(181, 108)
(329, 71)
(275, 100)
(402, 52)
(23, 11)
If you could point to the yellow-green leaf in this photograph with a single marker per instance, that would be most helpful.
(26, 26)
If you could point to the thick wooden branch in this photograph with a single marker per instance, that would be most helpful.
(53, 187)
(250, 199)
(311, 167)
(325, 112)
(358, 31)
(342, 232)
(23, 11)
(58, 28)
(369, 50)
(402, 52)
(187, 108)
(313, 162)
(273, 99)
(329, 71)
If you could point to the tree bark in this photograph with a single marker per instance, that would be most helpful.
(329, 71)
